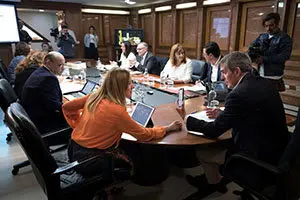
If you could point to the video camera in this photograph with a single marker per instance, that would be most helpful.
(54, 32)
(257, 49)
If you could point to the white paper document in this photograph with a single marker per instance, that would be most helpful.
(195, 88)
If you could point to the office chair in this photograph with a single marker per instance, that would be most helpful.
(3, 70)
(286, 183)
(58, 182)
(160, 62)
(7, 96)
(198, 69)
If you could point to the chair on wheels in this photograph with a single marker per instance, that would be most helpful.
(7, 96)
(286, 183)
(199, 67)
(58, 182)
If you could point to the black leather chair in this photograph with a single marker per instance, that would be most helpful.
(199, 68)
(286, 183)
(57, 182)
(3, 70)
(7, 96)
(161, 62)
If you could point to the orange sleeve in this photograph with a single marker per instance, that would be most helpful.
(128, 125)
(72, 110)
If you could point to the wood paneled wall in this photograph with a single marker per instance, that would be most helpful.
(233, 25)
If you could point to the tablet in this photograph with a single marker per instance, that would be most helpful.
(142, 113)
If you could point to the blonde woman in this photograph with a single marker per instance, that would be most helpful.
(23, 70)
(98, 121)
(179, 67)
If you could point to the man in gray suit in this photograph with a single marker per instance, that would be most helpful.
(145, 59)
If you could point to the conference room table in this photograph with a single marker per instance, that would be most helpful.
(164, 113)
(155, 156)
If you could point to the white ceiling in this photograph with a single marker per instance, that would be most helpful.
(113, 3)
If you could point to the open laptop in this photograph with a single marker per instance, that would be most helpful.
(87, 89)
(142, 114)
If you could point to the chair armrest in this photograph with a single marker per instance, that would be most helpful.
(240, 157)
(49, 134)
(72, 165)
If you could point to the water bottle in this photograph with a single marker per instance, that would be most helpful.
(146, 75)
(98, 63)
(82, 75)
(211, 97)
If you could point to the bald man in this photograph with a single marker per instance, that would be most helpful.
(42, 96)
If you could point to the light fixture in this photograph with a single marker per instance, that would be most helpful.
(102, 11)
(163, 8)
(280, 5)
(261, 14)
(211, 2)
(144, 11)
(130, 2)
(41, 10)
(186, 5)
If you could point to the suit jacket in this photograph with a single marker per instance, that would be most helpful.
(149, 63)
(255, 113)
(42, 100)
(21, 79)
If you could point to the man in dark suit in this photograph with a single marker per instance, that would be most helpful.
(254, 111)
(42, 96)
(212, 55)
(145, 60)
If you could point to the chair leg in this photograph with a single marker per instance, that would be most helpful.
(18, 166)
(8, 137)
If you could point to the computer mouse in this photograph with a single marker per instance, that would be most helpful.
(150, 92)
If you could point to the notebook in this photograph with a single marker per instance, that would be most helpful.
(142, 113)
(87, 89)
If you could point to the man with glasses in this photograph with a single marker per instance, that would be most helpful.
(42, 96)
(145, 60)
(270, 51)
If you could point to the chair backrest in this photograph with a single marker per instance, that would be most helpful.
(42, 162)
(3, 70)
(7, 94)
(198, 69)
(290, 161)
(161, 62)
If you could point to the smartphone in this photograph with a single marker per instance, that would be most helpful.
(180, 97)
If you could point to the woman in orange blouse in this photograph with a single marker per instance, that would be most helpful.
(98, 121)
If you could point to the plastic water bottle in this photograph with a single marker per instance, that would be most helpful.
(82, 75)
(99, 63)
(211, 97)
(146, 75)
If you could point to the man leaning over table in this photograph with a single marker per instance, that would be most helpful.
(42, 96)
(253, 110)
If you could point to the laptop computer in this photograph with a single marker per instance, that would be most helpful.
(87, 89)
(142, 114)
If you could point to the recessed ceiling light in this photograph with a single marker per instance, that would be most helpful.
(163, 8)
(186, 5)
(211, 2)
(144, 11)
(41, 10)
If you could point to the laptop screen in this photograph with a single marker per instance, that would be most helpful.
(88, 87)
(142, 113)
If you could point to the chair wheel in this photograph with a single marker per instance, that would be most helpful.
(15, 171)
(8, 138)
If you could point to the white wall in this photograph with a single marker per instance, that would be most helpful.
(41, 22)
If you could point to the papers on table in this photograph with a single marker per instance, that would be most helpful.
(135, 72)
(126, 136)
(68, 86)
(201, 116)
(195, 88)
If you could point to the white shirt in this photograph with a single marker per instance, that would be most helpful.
(182, 72)
(215, 70)
(92, 38)
(144, 57)
(125, 61)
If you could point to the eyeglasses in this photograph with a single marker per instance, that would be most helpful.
(138, 49)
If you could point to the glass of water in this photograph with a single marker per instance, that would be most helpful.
(170, 83)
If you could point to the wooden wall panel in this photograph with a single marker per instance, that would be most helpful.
(295, 33)
(165, 29)
(147, 25)
(6, 53)
(251, 26)
(188, 28)
(218, 26)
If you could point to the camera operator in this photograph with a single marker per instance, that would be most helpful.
(270, 50)
(66, 42)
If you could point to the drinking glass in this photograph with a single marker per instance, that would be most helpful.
(170, 83)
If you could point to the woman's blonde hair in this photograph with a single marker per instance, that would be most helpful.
(175, 48)
(34, 58)
(113, 88)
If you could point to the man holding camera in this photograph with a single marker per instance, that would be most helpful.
(66, 43)
(270, 51)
